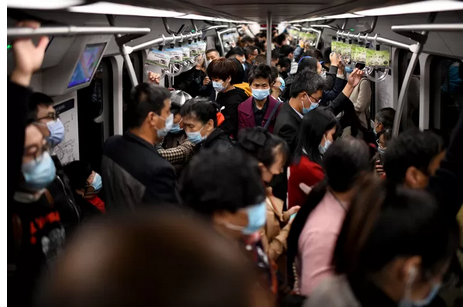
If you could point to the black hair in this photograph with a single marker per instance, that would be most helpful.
(275, 55)
(36, 100)
(312, 128)
(386, 221)
(145, 98)
(240, 73)
(250, 50)
(246, 39)
(286, 50)
(240, 183)
(280, 39)
(385, 116)
(307, 63)
(78, 173)
(343, 164)
(197, 266)
(260, 46)
(307, 81)
(317, 54)
(201, 109)
(284, 63)
(411, 148)
(262, 145)
(221, 68)
(275, 73)
(212, 50)
(261, 59)
(261, 71)
(235, 51)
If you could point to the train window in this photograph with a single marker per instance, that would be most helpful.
(137, 62)
(411, 111)
(95, 115)
(446, 93)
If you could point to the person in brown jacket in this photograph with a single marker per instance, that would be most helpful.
(272, 152)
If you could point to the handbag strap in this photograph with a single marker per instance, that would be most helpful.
(275, 108)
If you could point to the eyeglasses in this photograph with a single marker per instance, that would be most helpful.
(51, 115)
(379, 145)
(316, 101)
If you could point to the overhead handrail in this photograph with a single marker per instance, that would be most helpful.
(14, 33)
(326, 27)
(428, 27)
(316, 31)
(168, 30)
(219, 35)
(378, 39)
(165, 40)
(214, 27)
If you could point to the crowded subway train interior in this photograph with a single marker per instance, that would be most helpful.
(250, 153)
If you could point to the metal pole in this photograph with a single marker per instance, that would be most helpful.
(428, 27)
(404, 89)
(269, 39)
(165, 40)
(72, 31)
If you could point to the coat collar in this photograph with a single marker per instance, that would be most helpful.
(247, 107)
(129, 135)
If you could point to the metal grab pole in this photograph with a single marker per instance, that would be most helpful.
(269, 39)
(72, 31)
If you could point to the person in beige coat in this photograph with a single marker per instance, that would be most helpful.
(272, 153)
(361, 99)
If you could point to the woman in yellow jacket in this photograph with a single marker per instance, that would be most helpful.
(272, 152)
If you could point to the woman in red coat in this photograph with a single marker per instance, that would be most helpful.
(316, 134)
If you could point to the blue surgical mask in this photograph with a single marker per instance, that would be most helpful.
(97, 183)
(195, 137)
(176, 128)
(56, 129)
(169, 122)
(348, 69)
(307, 110)
(257, 217)
(39, 173)
(283, 84)
(260, 94)
(325, 147)
(218, 86)
(381, 150)
(408, 302)
(427, 300)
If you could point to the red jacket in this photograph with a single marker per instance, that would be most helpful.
(246, 115)
(306, 172)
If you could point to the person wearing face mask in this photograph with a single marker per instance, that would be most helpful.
(224, 74)
(239, 54)
(384, 137)
(384, 119)
(316, 134)
(133, 172)
(278, 86)
(261, 109)
(207, 90)
(87, 186)
(393, 249)
(235, 204)
(272, 153)
(200, 124)
(38, 232)
(316, 227)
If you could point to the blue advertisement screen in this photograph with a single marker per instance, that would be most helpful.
(87, 64)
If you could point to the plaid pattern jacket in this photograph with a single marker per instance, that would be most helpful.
(179, 154)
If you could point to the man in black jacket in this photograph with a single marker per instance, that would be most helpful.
(133, 172)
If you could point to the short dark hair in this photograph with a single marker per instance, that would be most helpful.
(280, 39)
(201, 109)
(411, 148)
(36, 100)
(286, 50)
(306, 81)
(275, 73)
(261, 71)
(240, 74)
(78, 173)
(315, 53)
(261, 59)
(275, 55)
(312, 128)
(200, 269)
(284, 63)
(263, 145)
(240, 183)
(235, 51)
(385, 221)
(221, 68)
(250, 50)
(307, 63)
(145, 98)
(385, 116)
(246, 39)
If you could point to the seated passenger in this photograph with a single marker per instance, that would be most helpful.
(154, 259)
(37, 232)
(223, 73)
(225, 186)
(175, 145)
(261, 109)
(86, 185)
(316, 227)
(393, 250)
(200, 124)
(133, 171)
(272, 153)
(316, 134)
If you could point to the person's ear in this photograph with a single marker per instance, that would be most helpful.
(152, 119)
(210, 125)
(414, 178)
(261, 166)
(411, 269)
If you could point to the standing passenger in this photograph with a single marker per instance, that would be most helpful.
(316, 135)
(133, 172)
(261, 108)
